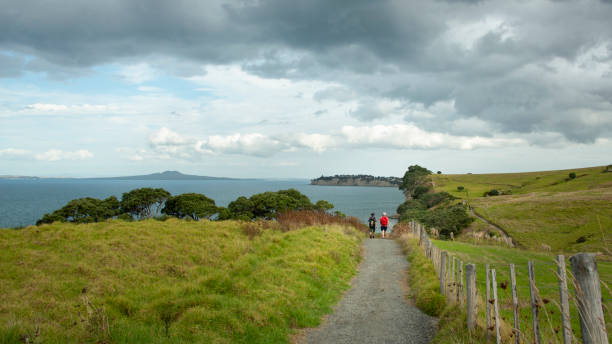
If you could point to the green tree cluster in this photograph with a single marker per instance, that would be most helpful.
(84, 210)
(193, 205)
(268, 205)
(415, 181)
(434, 209)
(145, 203)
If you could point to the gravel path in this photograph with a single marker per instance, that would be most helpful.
(375, 309)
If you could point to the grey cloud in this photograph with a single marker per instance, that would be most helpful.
(367, 111)
(11, 66)
(384, 49)
(341, 94)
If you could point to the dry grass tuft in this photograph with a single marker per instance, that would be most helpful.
(399, 229)
(297, 219)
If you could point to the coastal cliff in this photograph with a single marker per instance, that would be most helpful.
(357, 180)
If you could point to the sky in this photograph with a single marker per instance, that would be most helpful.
(299, 89)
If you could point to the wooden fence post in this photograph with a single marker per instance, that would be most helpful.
(453, 283)
(588, 294)
(470, 276)
(488, 297)
(565, 314)
(534, 303)
(443, 273)
(447, 277)
(515, 307)
(461, 284)
(495, 306)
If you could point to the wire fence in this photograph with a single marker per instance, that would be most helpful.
(458, 282)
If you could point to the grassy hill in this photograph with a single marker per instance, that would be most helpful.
(170, 282)
(543, 209)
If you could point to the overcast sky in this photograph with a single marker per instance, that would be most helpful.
(303, 88)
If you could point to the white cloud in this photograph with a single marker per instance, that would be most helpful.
(166, 137)
(466, 34)
(406, 136)
(13, 153)
(50, 108)
(57, 155)
(137, 73)
(46, 107)
(255, 144)
(317, 142)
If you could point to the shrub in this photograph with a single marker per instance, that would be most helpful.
(419, 191)
(460, 188)
(432, 199)
(439, 172)
(126, 217)
(581, 239)
(448, 219)
(572, 175)
(492, 192)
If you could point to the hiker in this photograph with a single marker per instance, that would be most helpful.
(384, 222)
(372, 224)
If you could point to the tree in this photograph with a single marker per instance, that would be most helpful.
(84, 210)
(144, 202)
(267, 205)
(193, 205)
(323, 205)
(572, 175)
(415, 176)
(439, 172)
(460, 188)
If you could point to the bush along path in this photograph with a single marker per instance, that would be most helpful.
(375, 309)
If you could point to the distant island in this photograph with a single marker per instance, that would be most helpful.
(19, 177)
(357, 180)
(166, 175)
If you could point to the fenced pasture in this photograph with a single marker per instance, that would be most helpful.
(520, 293)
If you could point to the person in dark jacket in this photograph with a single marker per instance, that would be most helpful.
(384, 222)
(372, 225)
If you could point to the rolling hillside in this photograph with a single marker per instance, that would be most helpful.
(543, 210)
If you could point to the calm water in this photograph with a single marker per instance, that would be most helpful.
(22, 202)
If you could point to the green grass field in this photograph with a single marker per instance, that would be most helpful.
(543, 209)
(546, 280)
(170, 282)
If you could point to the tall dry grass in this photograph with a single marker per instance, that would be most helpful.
(297, 219)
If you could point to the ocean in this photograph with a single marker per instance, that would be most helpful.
(22, 202)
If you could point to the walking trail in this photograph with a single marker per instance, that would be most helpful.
(375, 309)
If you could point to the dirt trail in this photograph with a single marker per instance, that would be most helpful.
(375, 309)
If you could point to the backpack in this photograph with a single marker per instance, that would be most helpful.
(372, 223)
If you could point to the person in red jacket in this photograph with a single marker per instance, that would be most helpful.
(384, 222)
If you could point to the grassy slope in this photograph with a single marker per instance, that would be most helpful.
(544, 207)
(207, 281)
(546, 280)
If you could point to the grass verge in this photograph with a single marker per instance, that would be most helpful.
(425, 290)
(170, 282)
